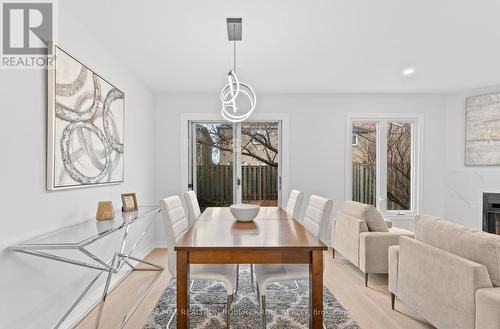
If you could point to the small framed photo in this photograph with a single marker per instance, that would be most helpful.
(129, 202)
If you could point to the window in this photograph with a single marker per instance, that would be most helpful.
(354, 139)
(216, 145)
(382, 167)
(364, 162)
(399, 167)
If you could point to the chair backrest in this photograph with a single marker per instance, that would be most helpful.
(176, 223)
(294, 204)
(193, 207)
(317, 216)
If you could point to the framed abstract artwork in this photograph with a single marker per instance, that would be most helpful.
(85, 126)
(482, 130)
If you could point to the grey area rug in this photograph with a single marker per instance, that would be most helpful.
(287, 307)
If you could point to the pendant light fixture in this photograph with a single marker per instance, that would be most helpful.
(234, 87)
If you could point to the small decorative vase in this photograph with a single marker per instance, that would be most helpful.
(105, 211)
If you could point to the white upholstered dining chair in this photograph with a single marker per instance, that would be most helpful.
(294, 203)
(293, 207)
(316, 219)
(176, 223)
(193, 207)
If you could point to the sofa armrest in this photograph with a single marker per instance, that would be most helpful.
(346, 236)
(388, 222)
(393, 268)
(488, 308)
(373, 249)
(440, 286)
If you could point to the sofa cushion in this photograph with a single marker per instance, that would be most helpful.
(368, 213)
(477, 246)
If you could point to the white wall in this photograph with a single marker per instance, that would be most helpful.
(316, 138)
(464, 186)
(34, 293)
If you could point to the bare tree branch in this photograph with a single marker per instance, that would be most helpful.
(257, 140)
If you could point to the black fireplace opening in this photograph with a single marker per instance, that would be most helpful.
(491, 213)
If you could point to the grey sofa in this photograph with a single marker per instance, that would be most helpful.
(449, 274)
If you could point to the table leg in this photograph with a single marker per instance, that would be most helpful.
(105, 292)
(78, 300)
(182, 289)
(316, 289)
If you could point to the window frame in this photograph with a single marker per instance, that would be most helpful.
(381, 120)
(200, 117)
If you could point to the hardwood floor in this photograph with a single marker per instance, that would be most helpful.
(369, 307)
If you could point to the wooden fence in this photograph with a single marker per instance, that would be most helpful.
(363, 184)
(215, 184)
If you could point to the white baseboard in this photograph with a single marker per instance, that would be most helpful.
(159, 244)
(93, 299)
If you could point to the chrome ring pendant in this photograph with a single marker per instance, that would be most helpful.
(229, 95)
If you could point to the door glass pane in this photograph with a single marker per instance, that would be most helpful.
(259, 163)
(399, 165)
(214, 164)
(364, 149)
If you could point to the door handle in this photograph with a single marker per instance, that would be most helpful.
(381, 203)
(237, 145)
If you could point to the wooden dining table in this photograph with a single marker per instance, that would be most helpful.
(274, 237)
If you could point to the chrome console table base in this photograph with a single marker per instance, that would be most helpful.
(111, 266)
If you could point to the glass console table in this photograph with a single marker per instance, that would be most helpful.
(78, 237)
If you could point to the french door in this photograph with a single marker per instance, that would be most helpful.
(235, 162)
(383, 162)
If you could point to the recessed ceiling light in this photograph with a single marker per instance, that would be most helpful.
(409, 71)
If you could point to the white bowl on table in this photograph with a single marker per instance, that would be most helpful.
(244, 212)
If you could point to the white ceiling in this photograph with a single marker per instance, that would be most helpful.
(302, 45)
